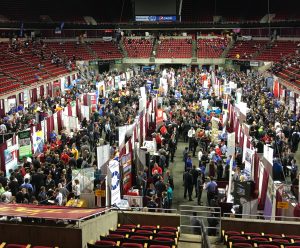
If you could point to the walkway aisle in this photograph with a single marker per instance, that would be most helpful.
(177, 169)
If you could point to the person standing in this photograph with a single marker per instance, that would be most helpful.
(191, 136)
(294, 170)
(169, 194)
(211, 188)
(76, 189)
(195, 174)
(188, 184)
(199, 187)
(200, 154)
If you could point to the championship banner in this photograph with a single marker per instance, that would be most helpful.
(114, 176)
(10, 158)
(127, 168)
(25, 144)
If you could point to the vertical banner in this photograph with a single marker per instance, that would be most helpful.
(127, 172)
(38, 142)
(103, 155)
(249, 157)
(230, 144)
(25, 144)
(10, 158)
(55, 119)
(214, 129)
(114, 174)
(159, 116)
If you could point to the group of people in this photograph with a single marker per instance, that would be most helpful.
(191, 111)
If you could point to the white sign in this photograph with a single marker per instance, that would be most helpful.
(231, 144)
(103, 155)
(114, 182)
(268, 153)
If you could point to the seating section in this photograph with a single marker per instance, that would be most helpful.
(139, 236)
(211, 48)
(246, 49)
(71, 50)
(17, 69)
(138, 47)
(262, 240)
(106, 50)
(7, 245)
(275, 51)
(174, 48)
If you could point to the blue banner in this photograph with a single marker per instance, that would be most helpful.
(155, 18)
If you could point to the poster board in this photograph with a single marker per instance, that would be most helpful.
(24, 144)
(126, 165)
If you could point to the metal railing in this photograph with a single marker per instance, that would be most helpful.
(260, 217)
(193, 217)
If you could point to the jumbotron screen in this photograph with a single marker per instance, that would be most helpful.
(155, 8)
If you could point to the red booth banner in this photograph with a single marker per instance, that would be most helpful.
(42, 91)
(141, 129)
(159, 116)
(276, 89)
(264, 188)
(69, 109)
(59, 120)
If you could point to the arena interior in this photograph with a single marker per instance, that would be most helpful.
(149, 124)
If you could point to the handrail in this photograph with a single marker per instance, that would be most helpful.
(270, 218)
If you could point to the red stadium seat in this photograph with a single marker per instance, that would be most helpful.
(139, 237)
(241, 245)
(132, 245)
(105, 243)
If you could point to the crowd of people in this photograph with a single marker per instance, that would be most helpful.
(190, 105)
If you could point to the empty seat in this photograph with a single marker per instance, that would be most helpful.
(132, 245)
(105, 243)
(241, 245)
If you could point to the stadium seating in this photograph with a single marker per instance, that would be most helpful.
(275, 51)
(106, 50)
(136, 235)
(138, 47)
(71, 49)
(246, 49)
(174, 48)
(253, 239)
(211, 48)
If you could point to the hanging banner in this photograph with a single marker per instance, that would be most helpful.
(26, 98)
(113, 167)
(127, 169)
(25, 144)
(38, 142)
(10, 158)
